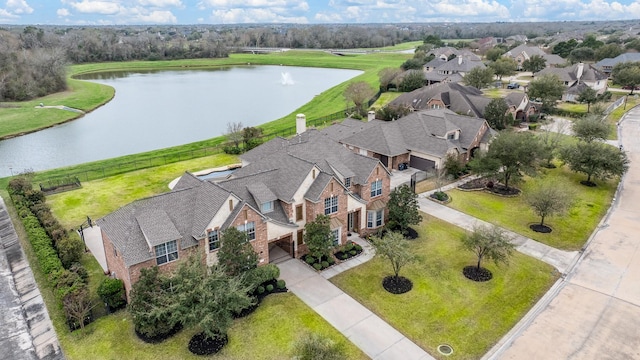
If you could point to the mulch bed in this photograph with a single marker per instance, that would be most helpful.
(399, 285)
(159, 338)
(475, 274)
(500, 189)
(410, 233)
(475, 184)
(200, 344)
(540, 228)
(339, 254)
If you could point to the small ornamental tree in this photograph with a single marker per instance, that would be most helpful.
(359, 93)
(318, 237)
(403, 208)
(393, 247)
(77, 306)
(548, 198)
(479, 77)
(534, 64)
(236, 253)
(153, 304)
(588, 96)
(234, 133)
(548, 88)
(504, 66)
(488, 242)
(207, 300)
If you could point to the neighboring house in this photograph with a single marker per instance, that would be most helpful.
(453, 70)
(521, 53)
(464, 100)
(577, 77)
(444, 53)
(606, 65)
(423, 138)
(283, 184)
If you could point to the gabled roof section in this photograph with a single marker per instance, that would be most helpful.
(209, 199)
(460, 64)
(187, 180)
(261, 193)
(570, 73)
(157, 227)
(319, 184)
(274, 145)
(458, 98)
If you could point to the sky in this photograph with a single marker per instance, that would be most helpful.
(167, 12)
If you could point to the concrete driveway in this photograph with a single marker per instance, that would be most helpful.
(596, 311)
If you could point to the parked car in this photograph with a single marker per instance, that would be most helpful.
(627, 87)
(513, 86)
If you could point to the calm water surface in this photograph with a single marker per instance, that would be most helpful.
(155, 110)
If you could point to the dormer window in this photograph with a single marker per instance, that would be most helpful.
(266, 207)
(347, 182)
(451, 136)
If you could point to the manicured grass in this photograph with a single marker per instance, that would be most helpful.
(385, 98)
(444, 307)
(618, 113)
(570, 231)
(268, 333)
(98, 198)
(578, 109)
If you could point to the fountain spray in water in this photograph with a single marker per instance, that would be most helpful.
(286, 79)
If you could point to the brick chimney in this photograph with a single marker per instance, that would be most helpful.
(301, 124)
(371, 115)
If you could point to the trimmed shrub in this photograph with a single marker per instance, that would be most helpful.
(353, 252)
(261, 274)
(281, 284)
(317, 266)
(343, 256)
(317, 347)
(331, 261)
(269, 288)
(111, 291)
(325, 264)
(357, 247)
(533, 127)
(260, 289)
(70, 250)
(310, 259)
(80, 270)
(348, 247)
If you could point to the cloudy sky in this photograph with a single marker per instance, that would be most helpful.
(108, 12)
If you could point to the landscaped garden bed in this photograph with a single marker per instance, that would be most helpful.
(342, 253)
(490, 185)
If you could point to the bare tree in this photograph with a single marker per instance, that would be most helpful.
(234, 133)
(359, 93)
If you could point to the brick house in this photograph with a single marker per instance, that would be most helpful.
(423, 139)
(576, 78)
(282, 185)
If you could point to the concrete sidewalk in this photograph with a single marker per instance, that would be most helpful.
(93, 241)
(560, 259)
(366, 330)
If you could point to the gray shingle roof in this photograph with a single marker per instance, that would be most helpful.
(570, 73)
(157, 227)
(421, 131)
(319, 184)
(459, 98)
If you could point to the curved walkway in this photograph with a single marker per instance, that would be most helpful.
(594, 312)
(366, 330)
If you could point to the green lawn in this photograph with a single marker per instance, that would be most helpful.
(570, 231)
(444, 307)
(577, 109)
(267, 334)
(98, 198)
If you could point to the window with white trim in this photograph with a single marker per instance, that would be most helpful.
(335, 234)
(375, 218)
(214, 240)
(331, 205)
(376, 188)
(249, 229)
(267, 207)
(166, 252)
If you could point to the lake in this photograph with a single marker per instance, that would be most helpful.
(158, 109)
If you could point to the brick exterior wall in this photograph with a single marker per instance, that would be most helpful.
(288, 209)
(315, 209)
(261, 242)
(378, 173)
(404, 158)
(130, 275)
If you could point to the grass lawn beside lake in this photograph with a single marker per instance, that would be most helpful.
(268, 333)
(570, 231)
(444, 307)
(98, 198)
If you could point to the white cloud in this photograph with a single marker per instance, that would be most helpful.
(96, 7)
(161, 3)
(578, 10)
(158, 17)
(254, 16)
(63, 12)
(249, 3)
(4, 15)
(18, 7)
(328, 17)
